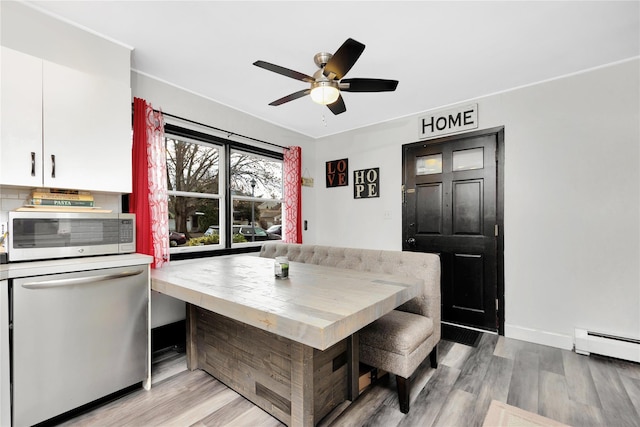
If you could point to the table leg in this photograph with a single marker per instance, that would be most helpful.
(302, 388)
(192, 337)
(253, 362)
(353, 366)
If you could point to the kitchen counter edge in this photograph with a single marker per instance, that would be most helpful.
(66, 265)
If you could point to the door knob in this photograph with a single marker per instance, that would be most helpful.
(411, 242)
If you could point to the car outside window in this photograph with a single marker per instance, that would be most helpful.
(256, 192)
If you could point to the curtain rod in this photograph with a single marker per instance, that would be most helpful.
(229, 134)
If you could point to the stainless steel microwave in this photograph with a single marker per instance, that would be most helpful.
(50, 235)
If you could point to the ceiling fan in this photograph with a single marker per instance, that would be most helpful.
(327, 82)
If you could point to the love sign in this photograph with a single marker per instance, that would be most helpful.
(336, 172)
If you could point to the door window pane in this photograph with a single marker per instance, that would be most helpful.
(427, 165)
(468, 159)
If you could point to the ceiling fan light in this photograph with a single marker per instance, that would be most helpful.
(324, 93)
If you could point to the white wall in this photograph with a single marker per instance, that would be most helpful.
(572, 200)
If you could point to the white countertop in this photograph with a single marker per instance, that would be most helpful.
(317, 305)
(36, 268)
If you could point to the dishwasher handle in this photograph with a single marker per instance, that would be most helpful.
(57, 283)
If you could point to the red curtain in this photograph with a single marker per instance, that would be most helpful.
(293, 195)
(149, 199)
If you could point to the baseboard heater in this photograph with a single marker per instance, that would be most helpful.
(588, 342)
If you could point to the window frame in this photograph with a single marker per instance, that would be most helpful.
(224, 195)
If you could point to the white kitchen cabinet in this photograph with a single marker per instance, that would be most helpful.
(75, 133)
(21, 127)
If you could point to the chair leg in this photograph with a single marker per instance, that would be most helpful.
(404, 386)
(434, 357)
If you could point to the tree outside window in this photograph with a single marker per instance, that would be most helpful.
(196, 196)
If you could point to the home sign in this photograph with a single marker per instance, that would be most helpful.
(449, 121)
(366, 183)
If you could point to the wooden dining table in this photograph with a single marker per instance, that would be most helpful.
(288, 345)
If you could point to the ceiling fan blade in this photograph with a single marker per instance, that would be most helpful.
(344, 58)
(291, 97)
(284, 71)
(338, 106)
(368, 85)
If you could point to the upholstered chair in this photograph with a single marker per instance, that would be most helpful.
(401, 340)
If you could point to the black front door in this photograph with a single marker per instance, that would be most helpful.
(451, 208)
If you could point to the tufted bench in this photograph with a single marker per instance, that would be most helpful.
(399, 341)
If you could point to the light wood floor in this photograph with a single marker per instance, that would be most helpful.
(558, 384)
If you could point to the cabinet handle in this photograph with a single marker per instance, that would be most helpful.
(80, 280)
(53, 166)
(33, 163)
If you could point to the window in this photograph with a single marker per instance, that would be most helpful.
(193, 184)
(256, 191)
(221, 194)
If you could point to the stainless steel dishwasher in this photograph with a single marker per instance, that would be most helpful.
(76, 337)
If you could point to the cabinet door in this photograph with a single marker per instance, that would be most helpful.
(87, 131)
(21, 119)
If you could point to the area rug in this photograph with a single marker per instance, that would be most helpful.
(502, 415)
(460, 335)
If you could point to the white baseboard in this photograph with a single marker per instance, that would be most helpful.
(551, 339)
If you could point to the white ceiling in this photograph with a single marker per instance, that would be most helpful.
(442, 52)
